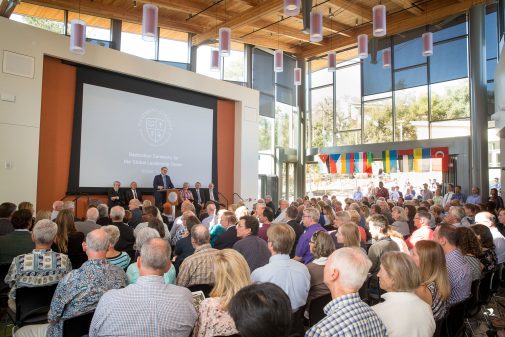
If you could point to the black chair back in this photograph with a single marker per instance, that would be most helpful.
(77, 326)
(472, 304)
(297, 319)
(316, 306)
(455, 320)
(205, 288)
(32, 304)
(485, 287)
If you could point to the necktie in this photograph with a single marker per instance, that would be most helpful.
(211, 195)
(134, 194)
(164, 181)
(198, 195)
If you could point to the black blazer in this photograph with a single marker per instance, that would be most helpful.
(126, 238)
(226, 239)
(128, 195)
(183, 249)
(206, 195)
(112, 193)
(136, 218)
(158, 181)
(195, 197)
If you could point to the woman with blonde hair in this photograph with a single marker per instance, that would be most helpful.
(68, 240)
(42, 214)
(231, 274)
(329, 217)
(435, 287)
(403, 312)
(348, 235)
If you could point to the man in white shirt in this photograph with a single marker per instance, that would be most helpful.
(448, 196)
(210, 220)
(281, 217)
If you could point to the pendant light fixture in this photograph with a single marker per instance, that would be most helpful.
(379, 20)
(149, 22)
(362, 46)
(78, 35)
(224, 38)
(386, 58)
(332, 61)
(291, 7)
(297, 75)
(215, 59)
(316, 26)
(278, 54)
(427, 44)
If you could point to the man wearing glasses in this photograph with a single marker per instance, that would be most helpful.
(253, 248)
(310, 222)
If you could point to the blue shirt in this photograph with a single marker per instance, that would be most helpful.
(473, 199)
(291, 276)
(460, 277)
(302, 248)
(458, 196)
(348, 315)
(357, 196)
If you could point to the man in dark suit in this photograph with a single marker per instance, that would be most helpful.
(20, 240)
(198, 197)
(212, 195)
(115, 196)
(132, 193)
(134, 207)
(161, 181)
(6, 211)
(229, 237)
(126, 238)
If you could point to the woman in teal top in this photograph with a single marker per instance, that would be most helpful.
(120, 259)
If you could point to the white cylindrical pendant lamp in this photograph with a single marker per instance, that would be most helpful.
(291, 7)
(149, 22)
(224, 41)
(427, 44)
(379, 20)
(316, 26)
(77, 36)
(386, 58)
(298, 76)
(215, 60)
(332, 61)
(362, 46)
(278, 61)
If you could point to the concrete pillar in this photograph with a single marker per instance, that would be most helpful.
(478, 100)
(302, 124)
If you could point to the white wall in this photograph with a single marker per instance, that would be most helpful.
(20, 121)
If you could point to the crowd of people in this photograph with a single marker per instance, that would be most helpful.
(262, 267)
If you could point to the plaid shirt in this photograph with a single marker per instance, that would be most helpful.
(198, 268)
(348, 316)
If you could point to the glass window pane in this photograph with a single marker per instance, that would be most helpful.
(378, 118)
(491, 33)
(263, 74)
(376, 78)
(265, 134)
(322, 116)
(267, 105)
(408, 50)
(411, 77)
(39, 16)
(283, 114)
(447, 129)
(348, 138)
(203, 62)
(173, 46)
(266, 164)
(452, 29)
(132, 42)
(348, 98)
(285, 89)
(490, 69)
(96, 27)
(234, 65)
(321, 77)
(449, 61)
(450, 100)
(411, 109)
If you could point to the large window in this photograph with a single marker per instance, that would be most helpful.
(41, 17)
(378, 118)
(266, 145)
(96, 27)
(234, 65)
(173, 46)
(411, 108)
(322, 116)
(348, 105)
(132, 42)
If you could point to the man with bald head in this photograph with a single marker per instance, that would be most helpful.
(90, 223)
(489, 220)
(129, 311)
(199, 267)
(81, 289)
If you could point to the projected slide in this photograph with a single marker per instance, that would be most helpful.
(127, 136)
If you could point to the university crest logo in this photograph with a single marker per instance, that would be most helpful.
(155, 127)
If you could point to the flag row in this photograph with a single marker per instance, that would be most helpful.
(345, 163)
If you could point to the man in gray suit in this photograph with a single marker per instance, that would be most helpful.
(90, 223)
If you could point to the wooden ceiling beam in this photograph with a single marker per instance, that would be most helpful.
(132, 15)
(330, 25)
(396, 23)
(359, 10)
(243, 19)
(191, 8)
(408, 6)
(284, 30)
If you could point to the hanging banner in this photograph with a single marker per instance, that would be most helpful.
(333, 162)
(321, 162)
(440, 159)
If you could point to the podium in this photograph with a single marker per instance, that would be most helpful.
(167, 192)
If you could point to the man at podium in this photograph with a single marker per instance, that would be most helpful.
(161, 182)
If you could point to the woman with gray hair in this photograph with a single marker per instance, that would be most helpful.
(117, 258)
(133, 271)
(400, 224)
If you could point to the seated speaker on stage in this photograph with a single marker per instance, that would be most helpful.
(161, 182)
(186, 193)
(198, 197)
(212, 195)
(115, 196)
(132, 193)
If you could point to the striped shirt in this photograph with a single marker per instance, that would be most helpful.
(460, 277)
(147, 308)
(122, 260)
(348, 315)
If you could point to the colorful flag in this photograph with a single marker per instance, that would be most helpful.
(333, 162)
(393, 160)
(440, 159)
(418, 158)
(369, 161)
(343, 160)
(426, 160)
(406, 158)
(358, 162)
(321, 161)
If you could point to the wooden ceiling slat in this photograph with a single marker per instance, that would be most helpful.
(407, 5)
(354, 8)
